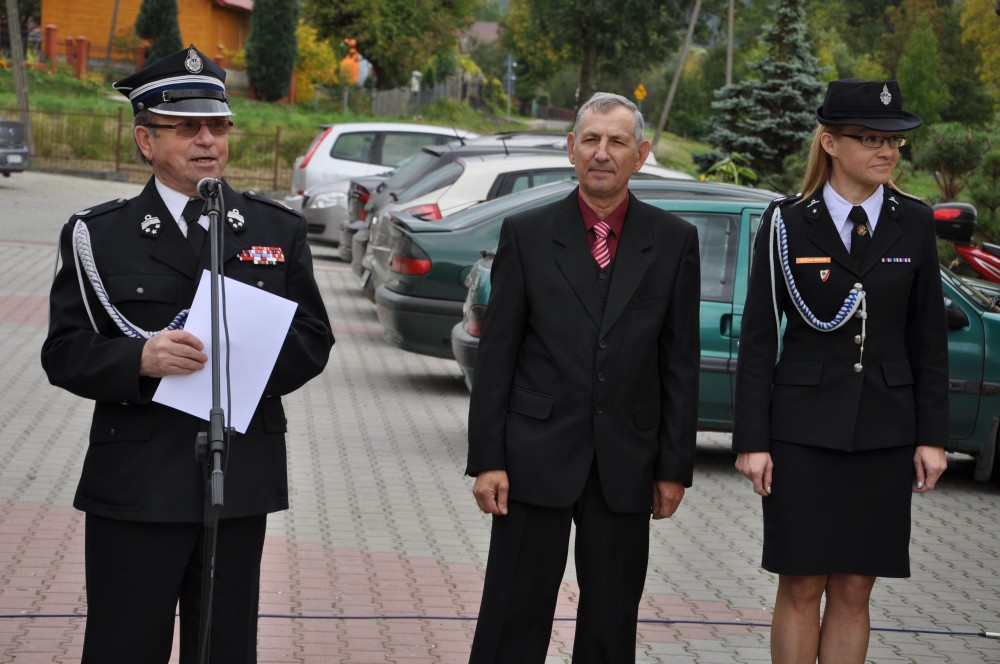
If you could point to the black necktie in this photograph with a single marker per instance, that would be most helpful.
(861, 236)
(196, 234)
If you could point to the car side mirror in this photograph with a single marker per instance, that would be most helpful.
(955, 317)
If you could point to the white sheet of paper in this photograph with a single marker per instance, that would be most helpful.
(258, 323)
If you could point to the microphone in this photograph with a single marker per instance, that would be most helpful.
(209, 188)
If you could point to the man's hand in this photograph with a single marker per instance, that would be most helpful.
(172, 353)
(756, 467)
(929, 462)
(490, 490)
(667, 496)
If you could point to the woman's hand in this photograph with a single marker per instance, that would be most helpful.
(929, 462)
(756, 467)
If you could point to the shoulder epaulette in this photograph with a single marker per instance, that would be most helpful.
(915, 199)
(782, 200)
(254, 196)
(98, 210)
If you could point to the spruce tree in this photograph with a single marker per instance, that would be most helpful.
(769, 117)
(157, 21)
(272, 47)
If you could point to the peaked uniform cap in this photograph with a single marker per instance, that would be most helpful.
(874, 105)
(185, 83)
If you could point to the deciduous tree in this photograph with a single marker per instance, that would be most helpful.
(397, 37)
(616, 35)
(919, 73)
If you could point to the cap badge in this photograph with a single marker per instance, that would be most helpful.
(886, 96)
(194, 64)
(151, 226)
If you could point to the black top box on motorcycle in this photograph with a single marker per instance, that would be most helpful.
(955, 221)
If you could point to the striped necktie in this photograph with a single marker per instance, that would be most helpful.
(600, 250)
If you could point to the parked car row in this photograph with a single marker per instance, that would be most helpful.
(420, 239)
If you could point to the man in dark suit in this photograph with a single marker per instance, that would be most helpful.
(113, 335)
(585, 403)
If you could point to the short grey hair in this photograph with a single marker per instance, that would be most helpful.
(604, 102)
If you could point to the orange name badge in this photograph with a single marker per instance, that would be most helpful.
(810, 260)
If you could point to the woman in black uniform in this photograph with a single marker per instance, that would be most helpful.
(841, 421)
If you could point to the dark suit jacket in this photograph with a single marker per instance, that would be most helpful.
(140, 464)
(813, 396)
(558, 380)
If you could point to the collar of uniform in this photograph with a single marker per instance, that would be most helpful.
(175, 202)
(616, 220)
(839, 208)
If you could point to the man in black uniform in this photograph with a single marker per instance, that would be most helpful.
(129, 267)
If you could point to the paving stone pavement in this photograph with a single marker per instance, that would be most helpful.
(380, 558)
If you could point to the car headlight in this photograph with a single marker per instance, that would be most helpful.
(328, 200)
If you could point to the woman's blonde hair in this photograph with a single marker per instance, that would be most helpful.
(819, 165)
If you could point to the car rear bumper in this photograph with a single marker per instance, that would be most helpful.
(417, 324)
(464, 347)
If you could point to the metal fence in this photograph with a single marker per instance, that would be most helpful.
(96, 143)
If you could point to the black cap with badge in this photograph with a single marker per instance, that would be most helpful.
(874, 105)
(185, 83)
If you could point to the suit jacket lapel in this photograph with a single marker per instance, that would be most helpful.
(171, 247)
(573, 256)
(823, 233)
(887, 230)
(630, 265)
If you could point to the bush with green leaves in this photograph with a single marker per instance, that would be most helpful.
(984, 190)
(951, 152)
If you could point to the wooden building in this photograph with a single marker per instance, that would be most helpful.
(216, 27)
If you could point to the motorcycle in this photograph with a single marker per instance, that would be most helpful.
(956, 222)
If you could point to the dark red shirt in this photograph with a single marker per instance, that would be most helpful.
(616, 220)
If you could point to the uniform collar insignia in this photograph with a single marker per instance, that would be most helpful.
(150, 226)
(82, 213)
(236, 220)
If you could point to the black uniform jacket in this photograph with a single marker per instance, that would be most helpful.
(140, 464)
(813, 395)
(558, 380)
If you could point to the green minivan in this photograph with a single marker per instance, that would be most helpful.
(726, 229)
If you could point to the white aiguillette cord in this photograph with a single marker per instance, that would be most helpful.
(855, 299)
(84, 259)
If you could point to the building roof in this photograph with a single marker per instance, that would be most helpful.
(236, 4)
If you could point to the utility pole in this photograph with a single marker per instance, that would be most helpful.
(509, 79)
(20, 80)
(729, 42)
(111, 35)
(681, 59)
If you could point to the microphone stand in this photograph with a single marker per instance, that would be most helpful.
(211, 446)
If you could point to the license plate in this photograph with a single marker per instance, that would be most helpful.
(14, 159)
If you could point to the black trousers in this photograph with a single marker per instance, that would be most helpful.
(527, 558)
(137, 573)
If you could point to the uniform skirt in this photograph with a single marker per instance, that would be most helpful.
(833, 512)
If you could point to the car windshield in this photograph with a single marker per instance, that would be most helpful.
(433, 181)
(976, 296)
(501, 207)
(410, 171)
